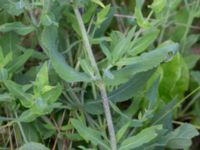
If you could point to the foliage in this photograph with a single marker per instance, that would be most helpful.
(71, 70)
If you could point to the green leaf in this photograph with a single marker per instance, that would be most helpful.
(164, 114)
(4, 60)
(40, 106)
(85, 65)
(28, 116)
(158, 5)
(139, 17)
(105, 25)
(7, 59)
(144, 62)
(9, 42)
(3, 74)
(99, 3)
(175, 76)
(3, 3)
(122, 93)
(52, 95)
(143, 137)
(91, 9)
(191, 60)
(33, 146)
(106, 51)
(181, 17)
(181, 137)
(42, 79)
(17, 27)
(196, 76)
(5, 97)
(15, 8)
(101, 16)
(129, 89)
(182, 84)
(48, 19)
(197, 14)
(152, 93)
(89, 134)
(122, 131)
(122, 44)
(67, 73)
(19, 62)
(127, 118)
(174, 4)
(144, 42)
(18, 92)
(1, 56)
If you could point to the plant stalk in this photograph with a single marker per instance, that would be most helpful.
(100, 84)
(108, 116)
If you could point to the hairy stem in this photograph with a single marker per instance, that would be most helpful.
(99, 84)
(108, 116)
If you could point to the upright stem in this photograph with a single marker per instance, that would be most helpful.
(100, 84)
(86, 41)
(108, 116)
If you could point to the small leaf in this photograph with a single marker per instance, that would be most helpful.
(48, 19)
(152, 92)
(139, 17)
(42, 79)
(158, 5)
(144, 62)
(17, 27)
(3, 74)
(196, 76)
(91, 9)
(85, 65)
(106, 51)
(122, 131)
(175, 76)
(40, 106)
(5, 97)
(129, 89)
(123, 45)
(19, 62)
(1, 58)
(122, 93)
(99, 3)
(164, 114)
(143, 137)
(28, 116)
(191, 60)
(52, 95)
(9, 42)
(18, 92)
(89, 134)
(101, 16)
(66, 72)
(174, 4)
(15, 8)
(107, 73)
(33, 146)
(143, 42)
(181, 137)
(8, 59)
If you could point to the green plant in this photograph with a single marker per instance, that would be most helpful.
(71, 79)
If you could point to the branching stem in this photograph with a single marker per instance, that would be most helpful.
(100, 84)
